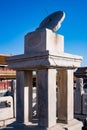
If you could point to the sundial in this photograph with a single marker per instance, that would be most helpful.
(52, 21)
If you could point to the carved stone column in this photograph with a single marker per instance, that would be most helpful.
(65, 95)
(47, 97)
(24, 96)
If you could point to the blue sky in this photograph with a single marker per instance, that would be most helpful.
(18, 17)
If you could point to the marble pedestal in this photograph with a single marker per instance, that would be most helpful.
(44, 52)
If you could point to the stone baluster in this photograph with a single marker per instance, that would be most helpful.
(65, 95)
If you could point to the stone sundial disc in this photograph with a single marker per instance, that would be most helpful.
(52, 21)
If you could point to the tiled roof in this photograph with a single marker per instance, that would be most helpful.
(81, 72)
(2, 58)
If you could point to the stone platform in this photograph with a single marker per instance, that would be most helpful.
(7, 122)
(73, 125)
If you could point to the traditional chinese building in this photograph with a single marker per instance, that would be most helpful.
(6, 74)
(81, 72)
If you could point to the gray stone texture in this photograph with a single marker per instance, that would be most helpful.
(78, 96)
(24, 96)
(47, 97)
(43, 40)
(84, 104)
(65, 95)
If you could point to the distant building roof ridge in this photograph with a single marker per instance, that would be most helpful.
(5, 54)
(2, 58)
(81, 72)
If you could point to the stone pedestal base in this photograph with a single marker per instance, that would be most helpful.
(72, 125)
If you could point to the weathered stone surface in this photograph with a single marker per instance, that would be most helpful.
(65, 95)
(84, 103)
(78, 96)
(47, 52)
(47, 97)
(43, 40)
(24, 96)
(44, 60)
(6, 122)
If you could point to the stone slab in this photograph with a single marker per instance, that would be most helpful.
(73, 125)
(43, 60)
(7, 122)
(6, 112)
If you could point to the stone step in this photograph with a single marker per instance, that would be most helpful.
(4, 123)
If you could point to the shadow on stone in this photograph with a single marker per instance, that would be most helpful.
(84, 124)
(65, 129)
(20, 126)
